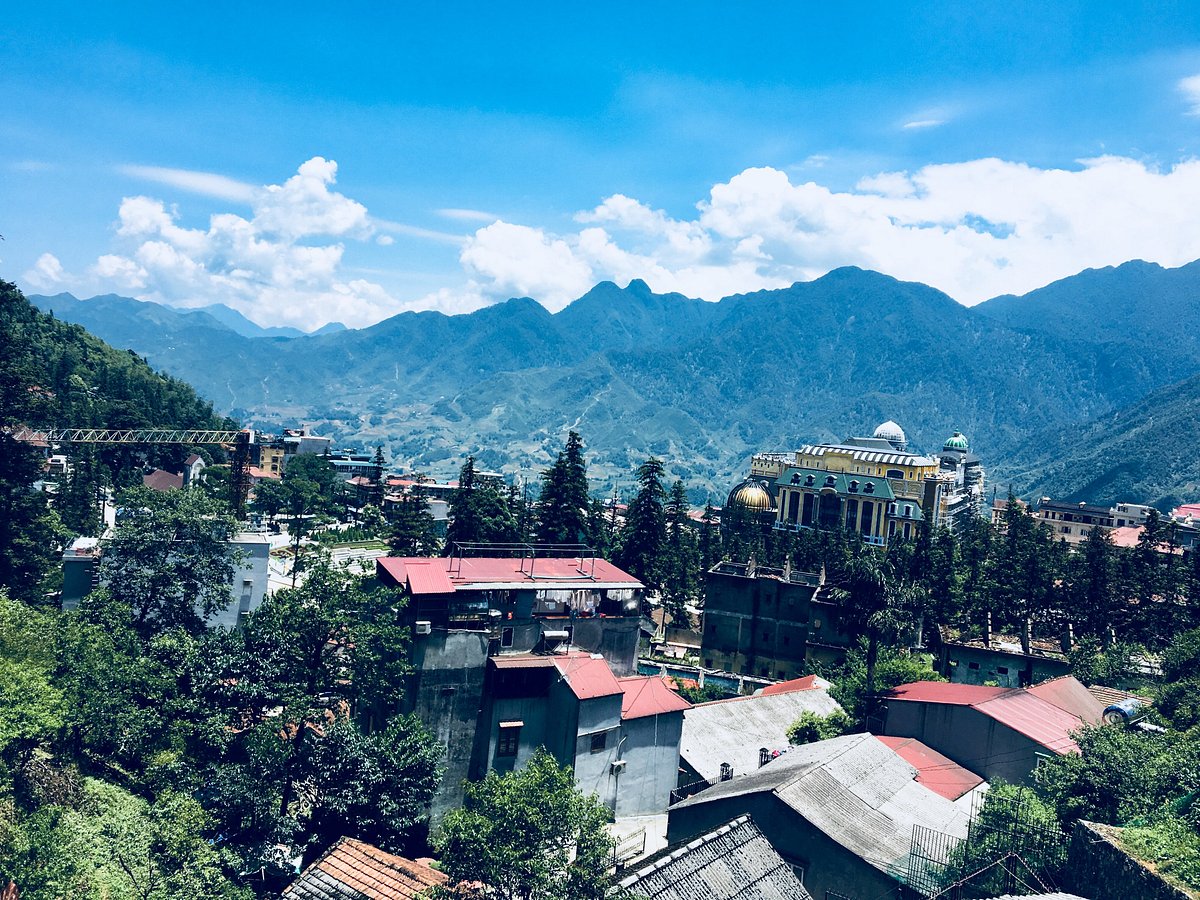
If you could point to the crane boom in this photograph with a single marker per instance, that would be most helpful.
(124, 435)
(239, 464)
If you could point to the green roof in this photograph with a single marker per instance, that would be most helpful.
(845, 484)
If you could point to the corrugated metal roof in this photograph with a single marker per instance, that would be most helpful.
(733, 862)
(522, 661)
(427, 578)
(482, 573)
(734, 731)
(649, 695)
(857, 791)
(1041, 713)
(1070, 695)
(354, 870)
(807, 683)
(1036, 719)
(588, 676)
(945, 692)
(938, 773)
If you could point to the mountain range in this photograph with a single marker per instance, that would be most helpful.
(706, 384)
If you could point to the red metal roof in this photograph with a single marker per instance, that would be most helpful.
(428, 578)
(938, 773)
(1047, 713)
(1070, 695)
(649, 695)
(588, 676)
(1036, 719)
(945, 692)
(479, 573)
(522, 661)
(807, 683)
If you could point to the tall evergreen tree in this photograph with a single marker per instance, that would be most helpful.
(681, 559)
(562, 514)
(644, 536)
(710, 538)
(479, 512)
(413, 531)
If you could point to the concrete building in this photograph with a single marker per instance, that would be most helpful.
(470, 614)
(1003, 733)
(731, 738)
(996, 659)
(767, 622)
(732, 862)
(841, 812)
(874, 486)
(619, 736)
(247, 585)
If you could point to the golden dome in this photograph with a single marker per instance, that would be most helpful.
(751, 495)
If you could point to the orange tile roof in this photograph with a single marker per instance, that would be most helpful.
(355, 870)
(807, 683)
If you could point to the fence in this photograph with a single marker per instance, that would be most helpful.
(1006, 848)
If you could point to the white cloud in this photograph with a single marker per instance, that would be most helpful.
(46, 274)
(279, 266)
(467, 215)
(1190, 87)
(973, 229)
(922, 123)
(414, 231)
(208, 184)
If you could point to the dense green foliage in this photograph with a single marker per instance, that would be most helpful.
(562, 510)
(529, 835)
(812, 726)
(206, 746)
(480, 512)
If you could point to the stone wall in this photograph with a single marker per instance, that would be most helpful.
(1100, 869)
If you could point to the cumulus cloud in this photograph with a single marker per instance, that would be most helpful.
(1190, 88)
(280, 265)
(46, 274)
(973, 229)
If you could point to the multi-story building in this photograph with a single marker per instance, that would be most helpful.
(767, 622)
(873, 486)
(500, 643)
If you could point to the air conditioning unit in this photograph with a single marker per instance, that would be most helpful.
(424, 627)
(617, 766)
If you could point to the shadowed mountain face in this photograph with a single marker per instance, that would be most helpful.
(702, 385)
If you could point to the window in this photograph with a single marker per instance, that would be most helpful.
(599, 741)
(1002, 670)
(506, 637)
(726, 772)
(973, 665)
(816, 624)
(509, 739)
(708, 663)
(894, 473)
(764, 672)
(764, 756)
(786, 640)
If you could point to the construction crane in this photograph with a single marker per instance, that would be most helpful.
(238, 441)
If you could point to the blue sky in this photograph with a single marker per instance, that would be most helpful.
(303, 162)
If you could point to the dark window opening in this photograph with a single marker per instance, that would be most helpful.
(506, 637)
(509, 740)
(973, 665)
(726, 772)
(599, 741)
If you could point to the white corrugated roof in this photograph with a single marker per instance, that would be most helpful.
(733, 731)
(857, 791)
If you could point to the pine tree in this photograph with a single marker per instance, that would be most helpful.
(413, 531)
(563, 505)
(681, 570)
(479, 512)
(645, 533)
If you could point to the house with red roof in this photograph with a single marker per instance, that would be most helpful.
(620, 736)
(999, 732)
(486, 633)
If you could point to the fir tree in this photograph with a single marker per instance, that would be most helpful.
(644, 536)
(681, 569)
(562, 512)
